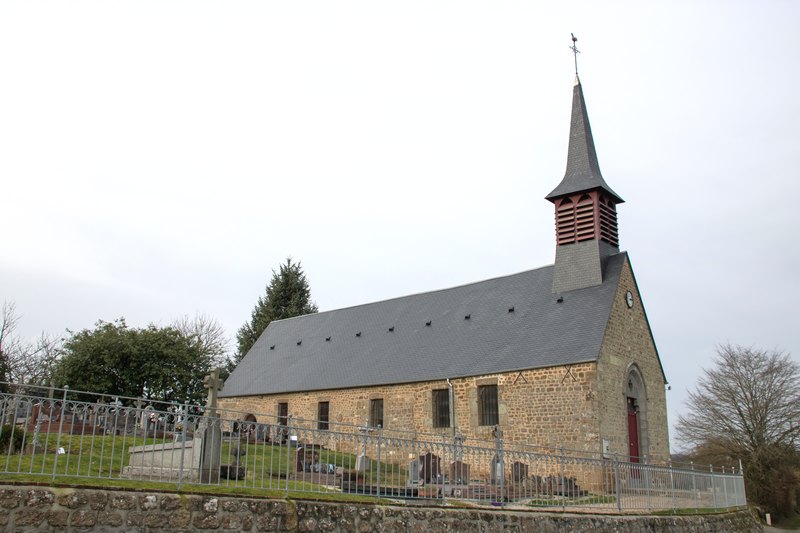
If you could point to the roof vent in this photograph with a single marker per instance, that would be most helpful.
(428, 323)
(510, 309)
(467, 317)
(327, 339)
(272, 347)
(358, 334)
(299, 343)
(391, 328)
(560, 299)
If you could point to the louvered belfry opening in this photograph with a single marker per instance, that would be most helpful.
(585, 216)
(607, 211)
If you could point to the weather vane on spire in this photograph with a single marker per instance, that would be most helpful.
(575, 51)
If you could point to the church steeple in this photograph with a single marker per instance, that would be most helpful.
(586, 213)
(583, 170)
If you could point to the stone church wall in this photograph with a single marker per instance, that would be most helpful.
(555, 406)
(628, 344)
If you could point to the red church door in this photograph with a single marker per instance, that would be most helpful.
(633, 431)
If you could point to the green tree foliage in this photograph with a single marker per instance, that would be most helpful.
(288, 295)
(748, 408)
(156, 363)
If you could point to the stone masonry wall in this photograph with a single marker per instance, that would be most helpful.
(628, 341)
(29, 509)
(553, 406)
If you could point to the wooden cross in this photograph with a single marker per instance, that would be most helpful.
(214, 385)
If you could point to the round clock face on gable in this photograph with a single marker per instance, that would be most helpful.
(629, 299)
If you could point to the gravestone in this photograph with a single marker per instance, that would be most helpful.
(459, 473)
(429, 470)
(171, 461)
(211, 455)
(141, 421)
(413, 472)
(497, 474)
(519, 471)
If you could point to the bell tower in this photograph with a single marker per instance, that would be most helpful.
(585, 208)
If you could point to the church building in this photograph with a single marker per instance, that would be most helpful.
(557, 356)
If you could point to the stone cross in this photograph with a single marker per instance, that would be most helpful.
(142, 422)
(214, 385)
(212, 434)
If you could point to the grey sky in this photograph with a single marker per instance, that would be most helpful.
(161, 158)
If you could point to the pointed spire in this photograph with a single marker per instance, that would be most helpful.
(583, 170)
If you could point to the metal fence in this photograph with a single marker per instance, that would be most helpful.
(57, 433)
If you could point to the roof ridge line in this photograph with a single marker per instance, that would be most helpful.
(414, 294)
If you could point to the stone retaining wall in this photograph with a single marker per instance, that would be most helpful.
(27, 509)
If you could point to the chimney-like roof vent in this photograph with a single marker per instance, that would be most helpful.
(358, 334)
(391, 328)
(272, 347)
(510, 309)
(299, 343)
(327, 339)
(428, 323)
(467, 317)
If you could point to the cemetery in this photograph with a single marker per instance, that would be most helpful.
(131, 440)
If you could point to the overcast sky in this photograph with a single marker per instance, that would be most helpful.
(159, 159)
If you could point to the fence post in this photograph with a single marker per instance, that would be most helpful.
(378, 480)
(713, 486)
(617, 487)
(742, 499)
(183, 442)
(648, 482)
(60, 427)
(671, 486)
(288, 451)
(725, 488)
(563, 484)
(444, 466)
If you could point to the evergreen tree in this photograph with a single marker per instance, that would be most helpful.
(288, 295)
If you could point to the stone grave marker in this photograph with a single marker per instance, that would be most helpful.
(211, 456)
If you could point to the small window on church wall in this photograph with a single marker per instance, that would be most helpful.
(487, 405)
(283, 413)
(441, 408)
(323, 413)
(376, 413)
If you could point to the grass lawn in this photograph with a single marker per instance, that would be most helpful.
(99, 460)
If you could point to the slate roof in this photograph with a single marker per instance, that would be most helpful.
(583, 170)
(293, 354)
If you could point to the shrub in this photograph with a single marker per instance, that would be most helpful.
(11, 438)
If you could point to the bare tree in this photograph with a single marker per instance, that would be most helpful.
(207, 334)
(751, 398)
(35, 363)
(24, 362)
(9, 344)
(748, 407)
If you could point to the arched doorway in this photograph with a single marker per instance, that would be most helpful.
(636, 411)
